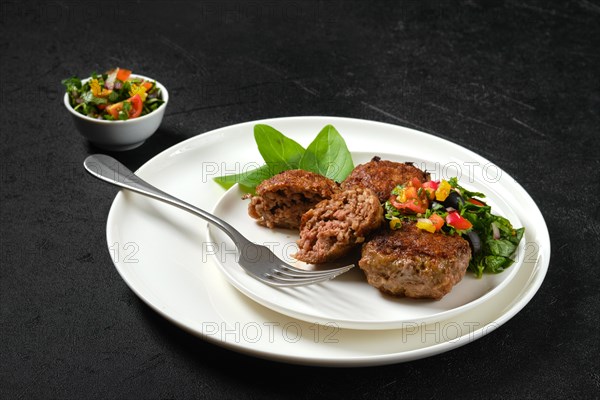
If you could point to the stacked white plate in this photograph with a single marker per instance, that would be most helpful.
(186, 271)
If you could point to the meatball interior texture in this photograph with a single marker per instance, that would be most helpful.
(381, 176)
(414, 263)
(281, 200)
(333, 227)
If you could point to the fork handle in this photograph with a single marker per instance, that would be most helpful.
(112, 171)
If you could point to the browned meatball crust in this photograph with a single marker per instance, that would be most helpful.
(333, 227)
(381, 176)
(281, 200)
(414, 263)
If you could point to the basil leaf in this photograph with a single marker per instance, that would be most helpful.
(250, 179)
(328, 155)
(279, 152)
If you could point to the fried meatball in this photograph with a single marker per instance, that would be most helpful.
(381, 176)
(333, 227)
(414, 263)
(281, 200)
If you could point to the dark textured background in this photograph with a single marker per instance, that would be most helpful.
(516, 82)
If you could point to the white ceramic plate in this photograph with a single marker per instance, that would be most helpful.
(166, 256)
(348, 301)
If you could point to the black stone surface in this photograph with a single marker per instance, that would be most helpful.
(517, 82)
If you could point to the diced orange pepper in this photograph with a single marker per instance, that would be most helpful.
(430, 188)
(114, 109)
(410, 192)
(438, 222)
(123, 74)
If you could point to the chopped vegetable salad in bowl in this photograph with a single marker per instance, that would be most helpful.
(114, 95)
(116, 110)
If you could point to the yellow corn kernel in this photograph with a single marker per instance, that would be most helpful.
(138, 89)
(97, 90)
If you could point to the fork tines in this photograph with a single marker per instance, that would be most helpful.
(286, 275)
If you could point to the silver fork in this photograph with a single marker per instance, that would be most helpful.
(257, 260)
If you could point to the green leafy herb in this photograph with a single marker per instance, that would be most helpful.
(497, 252)
(249, 179)
(279, 152)
(113, 97)
(466, 194)
(328, 155)
(126, 87)
(72, 84)
(88, 97)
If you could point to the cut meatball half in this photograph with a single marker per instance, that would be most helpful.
(333, 227)
(413, 263)
(381, 176)
(281, 200)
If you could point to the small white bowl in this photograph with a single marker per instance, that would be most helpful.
(120, 135)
